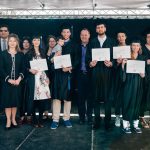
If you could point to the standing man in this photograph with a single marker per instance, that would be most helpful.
(63, 81)
(101, 76)
(84, 84)
(4, 32)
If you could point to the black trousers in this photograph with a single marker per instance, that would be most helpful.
(85, 104)
(38, 105)
(107, 107)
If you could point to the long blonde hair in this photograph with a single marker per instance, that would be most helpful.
(17, 39)
(139, 52)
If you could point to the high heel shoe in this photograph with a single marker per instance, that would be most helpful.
(15, 125)
(7, 128)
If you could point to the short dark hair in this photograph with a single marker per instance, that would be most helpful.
(36, 37)
(59, 37)
(66, 26)
(51, 36)
(99, 22)
(148, 32)
(4, 25)
(26, 38)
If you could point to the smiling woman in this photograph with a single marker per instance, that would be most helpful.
(12, 72)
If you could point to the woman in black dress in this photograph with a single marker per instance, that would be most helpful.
(25, 47)
(37, 83)
(132, 91)
(51, 44)
(12, 72)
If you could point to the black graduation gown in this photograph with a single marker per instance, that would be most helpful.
(146, 86)
(11, 95)
(132, 94)
(101, 75)
(63, 80)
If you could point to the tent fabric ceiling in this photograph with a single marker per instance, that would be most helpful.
(72, 4)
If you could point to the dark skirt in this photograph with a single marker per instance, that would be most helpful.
(10, 95)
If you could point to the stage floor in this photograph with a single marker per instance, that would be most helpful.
(79, 137)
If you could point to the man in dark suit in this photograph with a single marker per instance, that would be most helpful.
(4, 32)
(101, 76)
(84, 83)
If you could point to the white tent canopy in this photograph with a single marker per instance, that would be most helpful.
(73, 4)
(46, 9)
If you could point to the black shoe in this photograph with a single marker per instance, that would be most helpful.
(15, 126)
(96, 126)
(81, 122)
(108, 127)
(7, 128)
(90, 122)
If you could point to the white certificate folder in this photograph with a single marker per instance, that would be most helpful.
(62, 61)
(39, 64)
(121, 52)
(135, 66)
(101, 54)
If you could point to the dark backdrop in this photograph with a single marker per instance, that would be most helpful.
(26, 27)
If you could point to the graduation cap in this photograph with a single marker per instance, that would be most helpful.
(136, 40)
(100, 22)
(122, 30)
(65, 26)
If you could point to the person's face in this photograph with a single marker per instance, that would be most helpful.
(84, 36)
(26, 44)
(101, 29)
(135, 47)
(12, 43)
(121, 37)
(52, 42)
(148, 39)
(61, 42)
(4, 32)
(66, 34)
(36, 42)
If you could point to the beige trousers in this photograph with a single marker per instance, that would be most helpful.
(57, 109)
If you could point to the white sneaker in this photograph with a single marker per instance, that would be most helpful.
(117, 121)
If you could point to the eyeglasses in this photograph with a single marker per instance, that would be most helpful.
(3, 30)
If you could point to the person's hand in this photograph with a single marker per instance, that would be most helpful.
(142, 75)
(33, 71)
(148, 61)
(11, 81)
(17, 82)
(119, 60)
(58, 53)
(48, 81)
(123, 63)
(93, 63)
(67, 69)
(108, 63)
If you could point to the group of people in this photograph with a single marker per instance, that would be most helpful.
(28, 90)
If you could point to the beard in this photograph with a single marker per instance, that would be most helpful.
(101, 33)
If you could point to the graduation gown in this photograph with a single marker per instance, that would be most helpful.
(63, 80)
(132, 94)
(101, 75)
(146, 86)
(10, 94)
